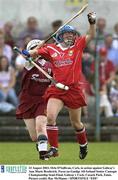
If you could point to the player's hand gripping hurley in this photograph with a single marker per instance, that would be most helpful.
(57, 84)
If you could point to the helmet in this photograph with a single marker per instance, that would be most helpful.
(66, 28)
(103, 51)
(33, 43)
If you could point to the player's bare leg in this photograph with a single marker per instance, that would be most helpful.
(42, 140)
(30, 124)
(53, 108)
(75, 118)
(35, 129)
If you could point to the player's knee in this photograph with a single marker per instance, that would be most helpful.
(78, 125)
(51, 119)
(40, 128)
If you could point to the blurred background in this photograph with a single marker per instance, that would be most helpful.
(21, 21)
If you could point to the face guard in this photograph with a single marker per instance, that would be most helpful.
(67, 34)
(69, 38)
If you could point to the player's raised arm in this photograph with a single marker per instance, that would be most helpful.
(92, 22)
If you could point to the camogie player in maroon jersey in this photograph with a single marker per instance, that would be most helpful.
(66, 57)
(32, 107)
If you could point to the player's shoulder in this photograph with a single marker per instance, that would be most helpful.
(53, 45)
(79, 38)
(81, 41)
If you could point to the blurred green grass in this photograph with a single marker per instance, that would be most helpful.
(25, 153)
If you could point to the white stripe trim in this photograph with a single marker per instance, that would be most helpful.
(79, 132)
(82, 145)
(53, 49)
(52, 128)
(64, 48)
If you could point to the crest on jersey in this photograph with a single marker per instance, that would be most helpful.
(54, 55)
(70, 53)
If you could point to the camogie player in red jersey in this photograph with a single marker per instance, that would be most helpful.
(66, 57)
(32, 107)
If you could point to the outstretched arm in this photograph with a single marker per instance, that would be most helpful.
(92, 21)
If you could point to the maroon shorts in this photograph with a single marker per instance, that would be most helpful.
(31, 112)
(73, 98)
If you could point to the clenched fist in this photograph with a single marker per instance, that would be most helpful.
(92, 17)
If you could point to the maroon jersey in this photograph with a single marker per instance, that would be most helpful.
(34, 85)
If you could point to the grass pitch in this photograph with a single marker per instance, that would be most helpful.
(25, 153)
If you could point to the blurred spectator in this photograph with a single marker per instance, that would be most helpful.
(5, 49)
(91, 47)
(115, 37)
(31, 30)
(8, 26)
(87, 59)
(101, 31)
(7, 82)
(55, 25)
(106, 76)
(99, 40)
(114, 96)
(112, 54)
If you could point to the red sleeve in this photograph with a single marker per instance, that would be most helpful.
(81, 42)
(43, 51)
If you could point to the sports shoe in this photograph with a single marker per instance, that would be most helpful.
(43, 155)
(53, 152)
(83, 151)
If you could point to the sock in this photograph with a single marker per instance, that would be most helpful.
(42, 143)
(52, 132)
(81, 136)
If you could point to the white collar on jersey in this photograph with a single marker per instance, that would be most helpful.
(63, 48)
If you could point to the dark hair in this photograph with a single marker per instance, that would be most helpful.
(57, 23)
(1, 57)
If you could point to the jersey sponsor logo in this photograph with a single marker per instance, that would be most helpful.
(35, 77)
(61, 63)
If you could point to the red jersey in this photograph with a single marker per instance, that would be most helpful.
(66, 62)
(105, 69)
(34, 85)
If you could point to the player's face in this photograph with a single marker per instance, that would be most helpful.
(69, 38)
